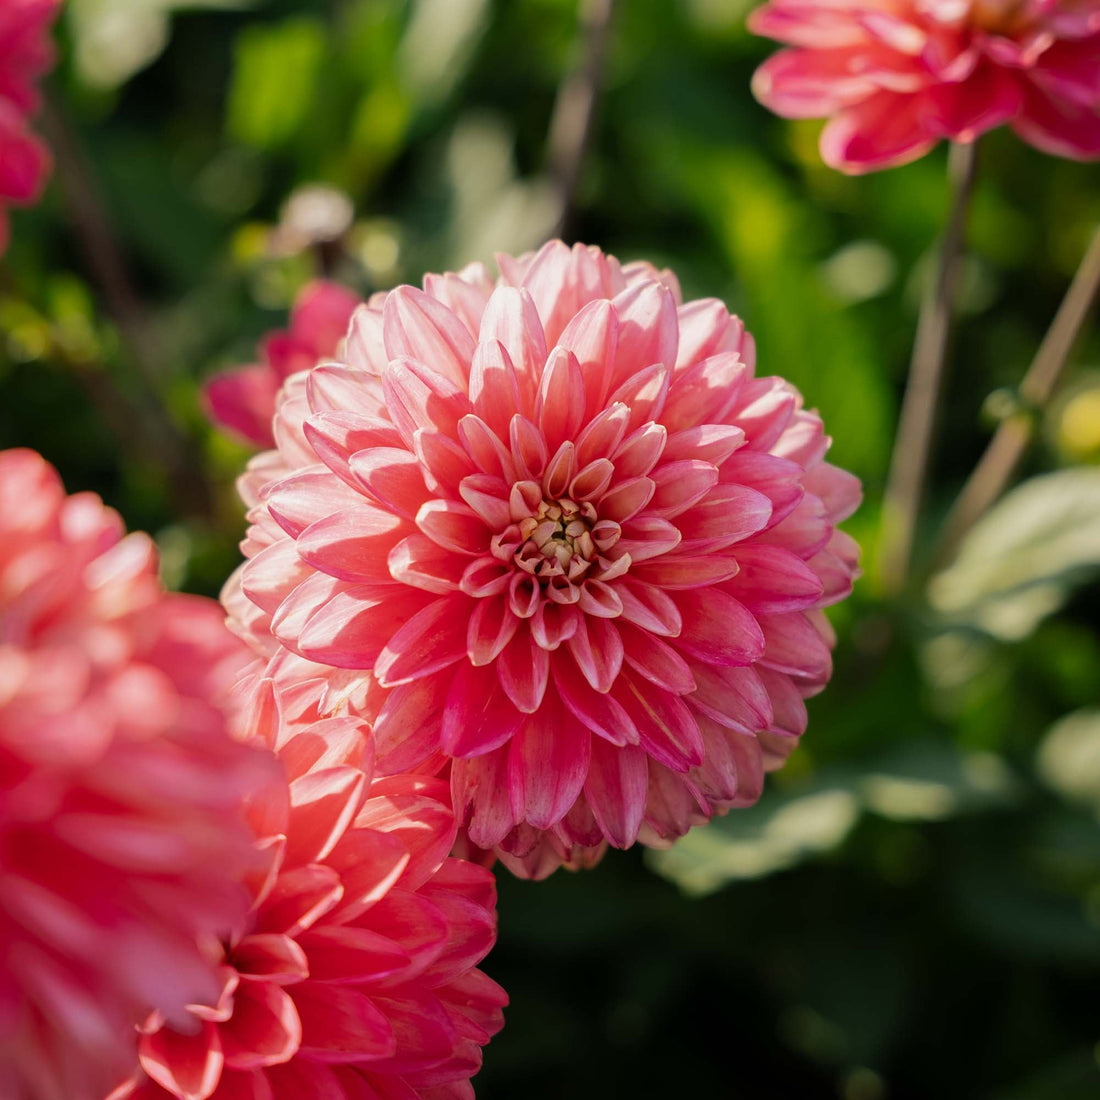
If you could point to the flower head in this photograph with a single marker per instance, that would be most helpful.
(353, 975)
(556, 536)
(121, 837)
(243, 399)
(26, 52)
(896, 77)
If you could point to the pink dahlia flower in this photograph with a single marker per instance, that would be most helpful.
(556, 534)
(896, 76)
(26, 52)
(354, 976)
(121, 837)
(243, 399)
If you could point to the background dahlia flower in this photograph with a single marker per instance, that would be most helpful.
(556, 535)
(353, 977)
(26, 52)
(122, 842)
(895, 78)
(243, 398)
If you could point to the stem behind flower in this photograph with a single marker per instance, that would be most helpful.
(916, 425)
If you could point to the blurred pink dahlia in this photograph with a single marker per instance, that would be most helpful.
(26, 52)
(121, 835)
(243, 399)
(896, 76)
(354, 976)
(579, 548)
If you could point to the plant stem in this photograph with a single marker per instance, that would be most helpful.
(159, 433)
(575, 108)
(1002, 456)
(916, 425)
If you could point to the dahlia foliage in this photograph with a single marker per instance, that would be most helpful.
(26, 52)
(553, 536)
(122, 842)
(353, 977)
(896, 77)
(243, 399)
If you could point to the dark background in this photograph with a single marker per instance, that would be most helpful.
(913, 910)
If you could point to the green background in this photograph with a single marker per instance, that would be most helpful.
(913, 910)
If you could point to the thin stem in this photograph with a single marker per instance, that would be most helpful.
(916, 425)
(575, 108)
(1002, 456)
(161, 437)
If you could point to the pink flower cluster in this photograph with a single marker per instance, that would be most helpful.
(553, 537)
(277, 921)
(897, 76)
(26, 52)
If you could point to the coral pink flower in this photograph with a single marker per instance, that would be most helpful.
(578, 546)
(243, 399)
(896, 76)
(26, 52)
(122, 841)
(354, 975)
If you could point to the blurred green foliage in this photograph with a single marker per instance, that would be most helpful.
(913, 910)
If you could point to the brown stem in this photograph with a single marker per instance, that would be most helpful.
(916, 425)
(161, 437)
(1002, 456)
(575, 108)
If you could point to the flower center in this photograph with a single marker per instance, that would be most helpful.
(558, 539)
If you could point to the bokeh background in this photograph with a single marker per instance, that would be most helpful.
(913, 909)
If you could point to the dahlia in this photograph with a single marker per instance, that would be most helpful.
(556, 537)
(26, 52)
(243, 398)
(121, 837)
(353, 976)
(896, 76)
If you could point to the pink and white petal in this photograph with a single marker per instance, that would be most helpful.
(597, 711)
(593, 337)
(882, 131)
(477, 716)
(353, 545)
(479, 788)
(433, 639)
(392, 477)
(512, 318)
(419, 397)
(341, 1025)
(656, 661)
(419, 562)
(523, 669)
(772, 579)
(418, 326)
(494, 387)
(616, 790)
(794, 645)
(264, 1029)
(718, 629)
(1058, 126)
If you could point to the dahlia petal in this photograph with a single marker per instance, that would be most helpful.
(779, 479)
(788, 708)
(771, 579)
(713, 443)
(602, 434)
(627, 499)
(524, 595)
(718, 629)
(332, 387)
(560, 471)
(416, 326)
(345, 954)
(598, 650)
(511, 317)
(421, 563)
(454, 526)
(365, 348)
(727, 515)
(477, 716)
(336, 436)
(667, 731)
(616, 791)
(764, 409)
(705, 392)
(301, 604)
(882, 131)
(593, 337)
(529, 450)
(187, 1066)
(962, 111)
(479, 787)
(547, 765)
(1058, 126)
(794, 646)
(646, 537)
(1071, 71)
(486, 576)
(644, 394)
(804, 532)
(641, 451)
(671, 805)
(356, 627)
(352, 545)
(657, 661)
(242, 400)
(839, 490)
(554, 624)
(485, 448)
(591, 481)
(269, 577)
(341, 1025)
(444, 463)
(804, 441)
(679, 485)
(488, 497)
(494, 387)
(648, 607)
(408, 726)
(271, 956)
(706, 328)
(523, 668)
(596, 710)
(432, 639)
(423, 1033)
(648, 330)
(560, 405)
(392, 477)
(264, 1029)
(301, 499)
(674, 571)
(418, 397)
